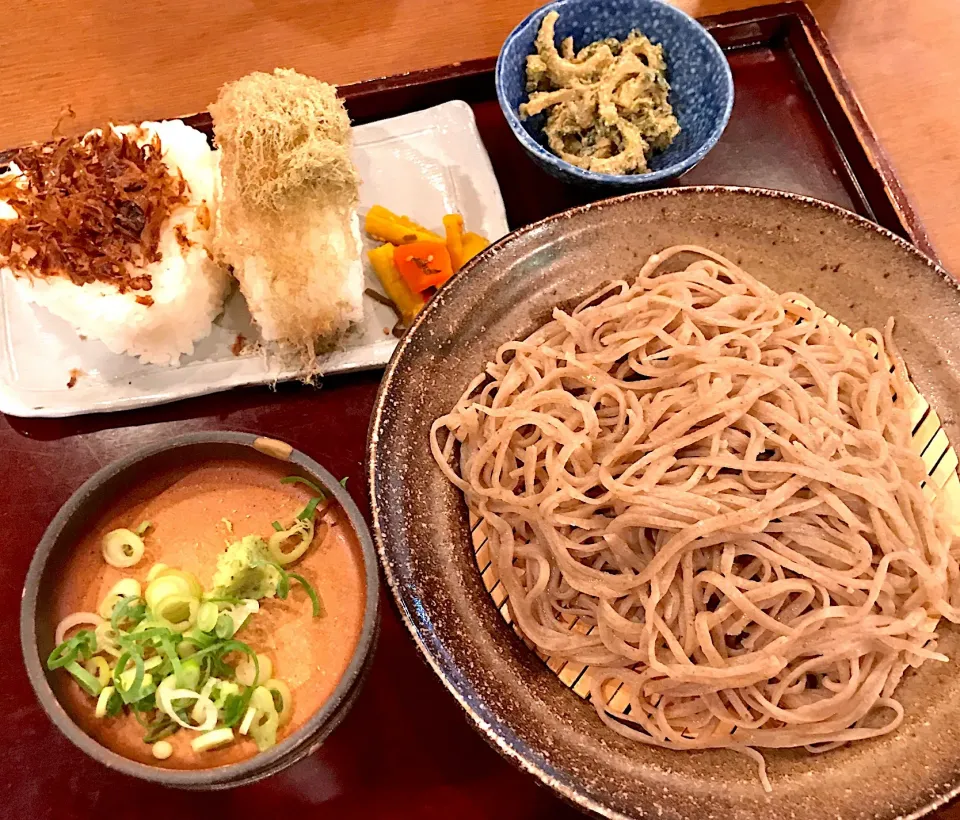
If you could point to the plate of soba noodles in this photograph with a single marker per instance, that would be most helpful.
(664, 489)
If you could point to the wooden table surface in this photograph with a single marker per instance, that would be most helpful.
(151, 59)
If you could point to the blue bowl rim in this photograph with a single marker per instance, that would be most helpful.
(671, 171)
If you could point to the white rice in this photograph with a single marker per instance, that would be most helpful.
(189, 288)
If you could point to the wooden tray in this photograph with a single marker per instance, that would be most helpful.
(406, 751)
(796, 124)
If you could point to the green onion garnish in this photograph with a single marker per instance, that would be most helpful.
(128, 609)
(224, 627)
(114, 705)
(89, 683)
(318, 608)
(183, 640)
(146, 704)
(296, 479)
(309, 510)
(132, 693)
(149, 636)
(159, 729)
(283, 589)
(235, 707)
(343, 481)
(170, 650)
(80, 647)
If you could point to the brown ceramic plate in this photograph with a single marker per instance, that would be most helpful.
(858, 272)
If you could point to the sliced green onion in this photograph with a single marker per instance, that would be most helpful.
(156, 571)
(207, 616)
(278, 526)
(171, 583)
(282, 699)
(146, 634)
(176, 612)
(266, 721)
(146, 684)
(128, 609)
(343, 481)
(303, 528)
(129, 693)
(308, 512)
(87, 681)
(218, 651)
(283, 585)
(169, 648)
(189, 675)
(106, 640)
(197, 713)
(212, 740)
(76, 619)
(124, 588)
(196, 639)
(115, 704)
(224, 627)
(153, 662)
(247, 721)
(139, 713)
(296, 479)
(249, 670)
(122, 548)
(142, 529)
(235, 707)
(159, 729)
(163, 633)
(82, 645)
(166, 697)
(319, 610)
(106, 694)
(147, 703)
(226, 689)
(99, 668)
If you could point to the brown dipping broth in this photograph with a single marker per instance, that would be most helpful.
(187, 508)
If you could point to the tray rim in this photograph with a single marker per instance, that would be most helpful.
(797, 17)
(847, 98)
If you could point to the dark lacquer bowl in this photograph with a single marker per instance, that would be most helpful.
(860, 273)
(701, 84)
(81, 512)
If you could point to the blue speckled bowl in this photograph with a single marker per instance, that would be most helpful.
(701, 85)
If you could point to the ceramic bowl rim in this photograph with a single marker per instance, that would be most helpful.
(261, 765)
(622, 180)
(493, 734)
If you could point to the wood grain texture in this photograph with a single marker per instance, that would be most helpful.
(112, 59)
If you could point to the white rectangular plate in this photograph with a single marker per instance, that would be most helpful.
(424, 165)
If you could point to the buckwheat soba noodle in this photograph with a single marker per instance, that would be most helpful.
(716, 484)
